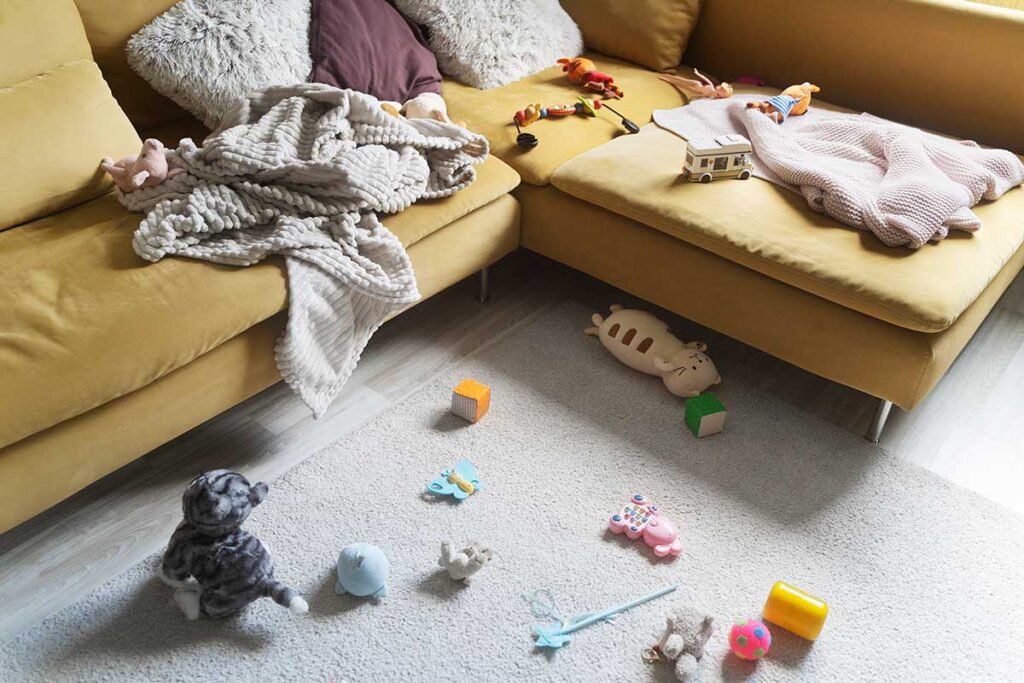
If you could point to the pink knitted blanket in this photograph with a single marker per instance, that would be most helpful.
(903, 184)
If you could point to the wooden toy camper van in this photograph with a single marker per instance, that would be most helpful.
(727, 156)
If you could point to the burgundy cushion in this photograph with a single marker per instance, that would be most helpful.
(367, 45)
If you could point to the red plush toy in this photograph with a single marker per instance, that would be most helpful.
(582, 71)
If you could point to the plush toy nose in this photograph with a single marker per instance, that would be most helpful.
(221, 507)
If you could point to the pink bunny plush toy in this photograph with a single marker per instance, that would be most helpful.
(148, 169)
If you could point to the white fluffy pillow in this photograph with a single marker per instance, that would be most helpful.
(487, 43)
(207, 55)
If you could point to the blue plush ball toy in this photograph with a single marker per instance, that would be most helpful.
(362, 571)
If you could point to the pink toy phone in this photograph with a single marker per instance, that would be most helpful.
(641, 517)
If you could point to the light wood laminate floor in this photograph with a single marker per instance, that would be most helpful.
(970, 430)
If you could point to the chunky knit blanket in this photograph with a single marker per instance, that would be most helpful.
(903, 184)
(304, 171)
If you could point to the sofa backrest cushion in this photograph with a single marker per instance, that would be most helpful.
(945, 65)
(109, 24)
(651, 33)
(36, 36)
(57, 116)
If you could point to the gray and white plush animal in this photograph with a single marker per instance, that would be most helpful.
(463, 564)
(216, 567)
(687, 630)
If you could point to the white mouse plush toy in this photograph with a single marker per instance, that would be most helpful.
(645, 343)
(462, 565)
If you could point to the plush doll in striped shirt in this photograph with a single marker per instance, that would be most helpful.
(793, 101)
(218, 568)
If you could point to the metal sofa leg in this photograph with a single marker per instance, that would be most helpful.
(484, 293)
(878, 421)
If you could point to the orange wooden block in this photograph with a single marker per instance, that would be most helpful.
(471, 399)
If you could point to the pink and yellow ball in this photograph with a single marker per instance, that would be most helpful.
(750, 639)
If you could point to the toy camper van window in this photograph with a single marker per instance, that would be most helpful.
(740, 160)
(704, 163)
(721, 163)
(689, 159)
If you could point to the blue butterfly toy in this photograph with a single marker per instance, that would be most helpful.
(459, 482)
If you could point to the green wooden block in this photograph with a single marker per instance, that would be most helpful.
(705, 414)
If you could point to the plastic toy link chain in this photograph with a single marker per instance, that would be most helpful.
(584, 107)
(534, 112)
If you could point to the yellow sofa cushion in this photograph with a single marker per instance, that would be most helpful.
(109, 24)
(772, 230)
(801, 328)
(54, 129)
(57, 117)
(490, 112)
(652, 33)
(944, 65)
(36, 36)
(85, 320)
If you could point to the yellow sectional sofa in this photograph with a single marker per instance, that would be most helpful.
(104, 357)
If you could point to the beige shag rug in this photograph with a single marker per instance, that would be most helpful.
(923, 577)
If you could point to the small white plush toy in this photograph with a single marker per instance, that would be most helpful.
(465, 563)
(687, 630)
(644, 343)
(427, 105)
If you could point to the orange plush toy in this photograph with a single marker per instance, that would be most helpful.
(793, 101)
(582, 71)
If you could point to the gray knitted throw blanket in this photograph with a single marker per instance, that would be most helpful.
(903, 184)
(304, 171)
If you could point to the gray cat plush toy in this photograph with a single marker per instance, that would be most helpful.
(216, 567)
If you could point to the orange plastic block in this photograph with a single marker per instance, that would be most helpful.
(795, 610)
(471, 400)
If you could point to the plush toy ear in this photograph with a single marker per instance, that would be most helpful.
(662, 365)
(258, 492)
(718, 379)
(699, 346)
(707, 627)
(139, 178)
